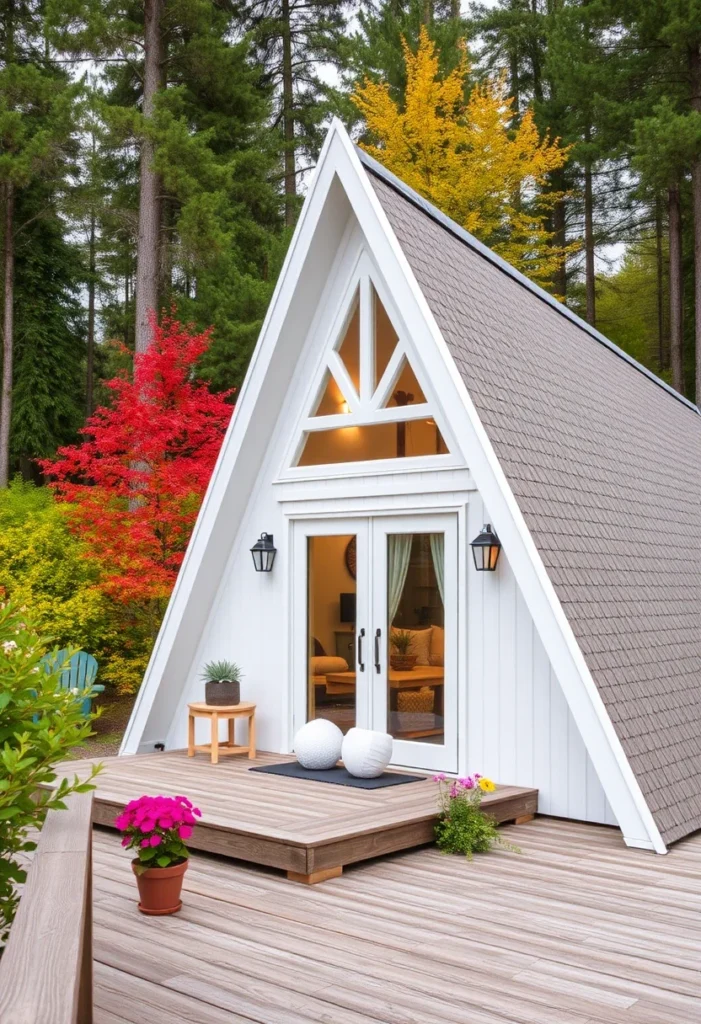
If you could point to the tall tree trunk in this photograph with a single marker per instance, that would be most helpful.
(536, 56)
(695, 73)
(515, 82)
(589, 269)
(288, 117)
(90, 371)
(149, 240)
(126, 309)
(557, 224)
(676, 341)
(7, 333)
(661, 341)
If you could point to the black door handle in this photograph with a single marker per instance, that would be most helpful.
(378, 634)
(361, 665)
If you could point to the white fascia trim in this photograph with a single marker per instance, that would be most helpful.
(604, 747)
(231, 445)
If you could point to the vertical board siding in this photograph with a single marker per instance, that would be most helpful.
(515, 722)
(519, 728)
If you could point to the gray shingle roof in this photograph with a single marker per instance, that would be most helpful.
(605, 463)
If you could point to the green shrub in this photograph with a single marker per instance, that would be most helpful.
(463, 827)
(44, 567)
(39, 725)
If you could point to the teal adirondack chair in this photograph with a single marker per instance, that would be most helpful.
(79, 673)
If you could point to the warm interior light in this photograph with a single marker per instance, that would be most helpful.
(344, 407)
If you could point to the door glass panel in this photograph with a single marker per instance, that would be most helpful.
(375, 441)
(331, 592)
(416, 636)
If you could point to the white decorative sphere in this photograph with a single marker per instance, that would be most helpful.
(318, 744)
(365, 753)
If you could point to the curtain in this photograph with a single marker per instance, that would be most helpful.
(438, 554)
(399, 551)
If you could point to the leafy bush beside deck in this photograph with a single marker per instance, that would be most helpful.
(39, 725)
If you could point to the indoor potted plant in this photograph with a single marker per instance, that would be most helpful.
(156, 827)
(222, 683)
(402, 641)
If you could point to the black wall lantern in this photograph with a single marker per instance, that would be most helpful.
(263, 552)
(485, 549)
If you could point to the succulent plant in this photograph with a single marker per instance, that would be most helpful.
(218, 671)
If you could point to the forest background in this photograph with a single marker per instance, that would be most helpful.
(154, 155)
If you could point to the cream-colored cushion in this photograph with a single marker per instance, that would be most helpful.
(420, 643)
(366, 754)
(321, 666)
(437, 656)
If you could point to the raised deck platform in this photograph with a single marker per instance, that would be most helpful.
(308, 829)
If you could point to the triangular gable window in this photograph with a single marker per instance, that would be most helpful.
(368, 404)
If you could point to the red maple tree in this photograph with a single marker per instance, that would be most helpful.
(136, 481)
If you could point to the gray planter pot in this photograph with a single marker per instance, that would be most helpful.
(222, 692)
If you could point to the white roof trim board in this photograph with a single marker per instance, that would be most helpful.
(384, 208)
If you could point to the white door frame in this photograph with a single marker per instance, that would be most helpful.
(365, 524)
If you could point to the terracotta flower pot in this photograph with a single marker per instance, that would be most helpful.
(159, 888)
(402, 662)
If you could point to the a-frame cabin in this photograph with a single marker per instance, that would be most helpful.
(409, 387)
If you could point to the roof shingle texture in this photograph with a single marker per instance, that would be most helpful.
(606, 468)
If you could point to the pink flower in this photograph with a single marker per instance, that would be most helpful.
(155, 841)
(147, 825)
(145, 842)
(121, 822)
(185, 831)
(197, 812)
(440, 777)
(126, 841)
(165, 823)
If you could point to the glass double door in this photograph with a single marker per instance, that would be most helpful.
(376, 630)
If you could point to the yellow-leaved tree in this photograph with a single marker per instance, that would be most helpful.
(473, 158)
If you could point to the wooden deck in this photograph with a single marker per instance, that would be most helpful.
(575, 930)
(309, 829)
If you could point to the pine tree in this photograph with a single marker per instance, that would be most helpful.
(468, 156)
(377, 47)
(665, 36)
(214, 159)
(50, 332)
(135, 33)
(294, 39)
(514, 39)
(37, 143)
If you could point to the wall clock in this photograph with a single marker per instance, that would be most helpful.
(350, 557)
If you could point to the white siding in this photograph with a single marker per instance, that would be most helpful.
(516, 725)
(519, 728)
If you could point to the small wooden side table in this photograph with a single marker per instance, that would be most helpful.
(224, 713)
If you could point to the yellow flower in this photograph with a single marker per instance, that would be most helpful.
(487, 786)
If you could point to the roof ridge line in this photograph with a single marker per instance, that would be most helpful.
(464, 236)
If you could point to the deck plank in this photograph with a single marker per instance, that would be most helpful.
(559, 934)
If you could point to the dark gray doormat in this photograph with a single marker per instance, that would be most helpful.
(337, 776)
